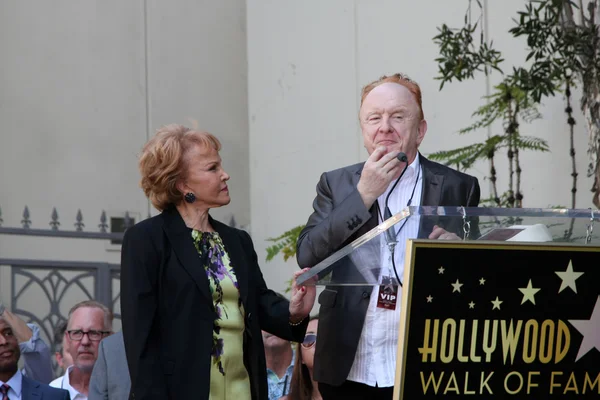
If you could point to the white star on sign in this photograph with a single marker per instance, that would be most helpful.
(456, 286)
(529, 293)
(496, 303)
(482, 281)
(471, 305)
(589, 329)
(441, 270)
(568, 278)
(429, 299)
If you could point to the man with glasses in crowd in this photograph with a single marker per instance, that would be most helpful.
(88, 322)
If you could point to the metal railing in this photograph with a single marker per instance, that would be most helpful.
(43, 290)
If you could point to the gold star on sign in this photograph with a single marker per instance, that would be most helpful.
(496, 303)
(441, 270)
(568, 278)
(429, 299)
(456, 286)
(482, 281)
(529, 293)
(471, 305)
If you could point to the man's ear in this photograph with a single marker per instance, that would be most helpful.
(422, 131)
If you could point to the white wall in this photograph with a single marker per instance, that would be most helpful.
(308, 61)
(74, 109)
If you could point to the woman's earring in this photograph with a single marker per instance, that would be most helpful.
(189, 197)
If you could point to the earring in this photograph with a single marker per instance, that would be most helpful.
(189, 197)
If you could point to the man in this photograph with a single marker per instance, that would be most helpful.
(356, 351)
(110, 377)
(13, 384)
(280, 364)
(37, 364)
(88, 322)
(61, 355)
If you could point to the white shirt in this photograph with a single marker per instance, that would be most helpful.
(62, 382)
(375, 359)
(16, 386)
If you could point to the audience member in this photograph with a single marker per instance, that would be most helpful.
(110, 377)
(89, 322)
(61, 355)
(13, 384)
(303, 385)
(279, 355)
(37, 363)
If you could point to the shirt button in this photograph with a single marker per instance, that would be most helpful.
(365, 294)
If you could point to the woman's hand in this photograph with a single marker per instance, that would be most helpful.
(303, 298)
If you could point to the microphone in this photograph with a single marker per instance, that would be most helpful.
(386, 212)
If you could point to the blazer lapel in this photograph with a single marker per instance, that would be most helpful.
(30, 389)
(432, 194)
(432, 184)
(236, 255)
(183, 246)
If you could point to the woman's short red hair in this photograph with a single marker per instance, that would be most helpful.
(400, 79)
(163, 162)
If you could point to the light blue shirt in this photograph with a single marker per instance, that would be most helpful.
(280, 387)
(16, 386)
(36, 356)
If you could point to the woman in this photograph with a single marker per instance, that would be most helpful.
(193, 299)
(303, 386)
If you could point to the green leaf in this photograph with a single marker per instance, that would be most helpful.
(284, 243)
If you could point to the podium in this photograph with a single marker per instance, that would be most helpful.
(508, 308)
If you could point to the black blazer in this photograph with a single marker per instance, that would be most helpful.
(340, 217)
(168, 313)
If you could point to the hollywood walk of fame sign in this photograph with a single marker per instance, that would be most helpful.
(503, 320)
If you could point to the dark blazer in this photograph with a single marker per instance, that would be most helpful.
(339, 217)
(34, 390)
(110, 377)
(168, 312)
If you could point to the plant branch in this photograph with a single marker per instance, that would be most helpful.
(571, 123)
(510, 154)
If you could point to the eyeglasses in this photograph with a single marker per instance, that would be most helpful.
(309, 340)
(92, 335)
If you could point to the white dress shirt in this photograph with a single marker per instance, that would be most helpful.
(63, 382)
(16, 386)
(375, 360)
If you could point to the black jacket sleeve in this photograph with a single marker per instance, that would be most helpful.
(140, 266)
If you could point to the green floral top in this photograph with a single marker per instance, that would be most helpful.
(215, 261)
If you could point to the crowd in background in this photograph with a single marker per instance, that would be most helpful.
(89, 359)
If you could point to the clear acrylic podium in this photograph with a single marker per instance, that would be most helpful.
(508, 308)
(360, 262)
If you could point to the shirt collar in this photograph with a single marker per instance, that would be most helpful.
(414, 166)
(289, 369)
(66, 384)
(15, 383)
(410, 174)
